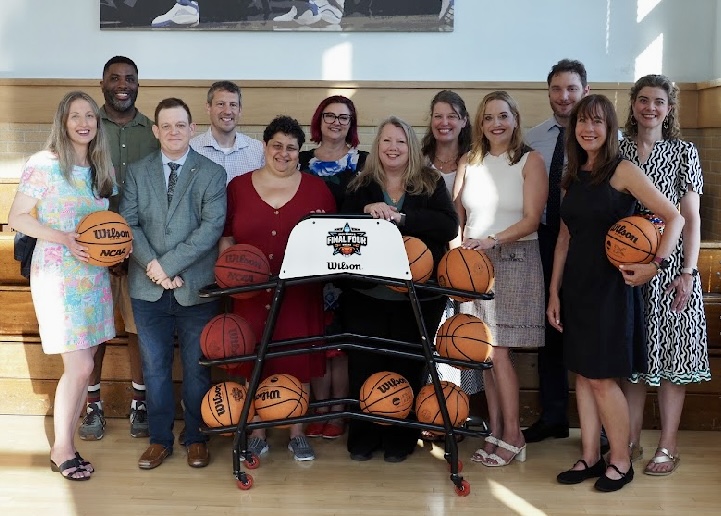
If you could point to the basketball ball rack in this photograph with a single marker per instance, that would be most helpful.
(323, 248)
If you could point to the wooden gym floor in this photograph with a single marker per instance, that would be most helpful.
(334, 485)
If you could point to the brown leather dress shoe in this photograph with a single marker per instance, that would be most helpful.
(198, 455)
(154, 456)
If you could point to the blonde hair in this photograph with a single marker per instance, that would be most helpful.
(59, 143)
(480, 146)
(417, 177)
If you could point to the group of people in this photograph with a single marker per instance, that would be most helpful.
(538, 206)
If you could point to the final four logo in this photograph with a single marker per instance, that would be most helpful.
(347, 240)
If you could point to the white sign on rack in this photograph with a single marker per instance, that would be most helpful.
(319, 246)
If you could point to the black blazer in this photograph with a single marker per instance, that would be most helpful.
(432, 218)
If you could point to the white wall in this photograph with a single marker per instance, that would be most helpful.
(503, 40)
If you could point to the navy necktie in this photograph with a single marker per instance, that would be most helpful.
(172, 179)
(553, 206)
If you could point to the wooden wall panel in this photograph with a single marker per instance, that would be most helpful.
(33, 101)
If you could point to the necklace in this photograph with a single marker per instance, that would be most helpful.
(446, 161)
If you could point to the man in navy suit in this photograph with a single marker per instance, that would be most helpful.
(174, 201)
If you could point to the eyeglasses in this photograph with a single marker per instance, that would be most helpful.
(330, 118)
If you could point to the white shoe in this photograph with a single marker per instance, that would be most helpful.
(321, 10)
(185, 13)
(289, 16)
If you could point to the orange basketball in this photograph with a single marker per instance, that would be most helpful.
(223, 404)
(227, 335)
(632, 240)
(386, 394)
(420, 261)
(428, 409)
(241, 265)
(466, 269)
(281, 396)
(107, 237)
(464, 337)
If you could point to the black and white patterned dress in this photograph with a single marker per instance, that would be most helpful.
(676, 341)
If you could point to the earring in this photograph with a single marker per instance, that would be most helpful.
(633, 120)
(665, 124)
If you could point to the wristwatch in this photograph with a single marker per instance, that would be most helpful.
(495, 240)
(693, 271)
(661, 263)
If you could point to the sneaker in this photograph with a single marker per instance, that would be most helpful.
(93, 426)
(315, 429)
(258, 446)
(333, 430)
(301, 448)
(185, 13)
(139, 420)
(289, 16)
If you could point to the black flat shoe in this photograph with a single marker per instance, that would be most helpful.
(540, 430)
(361, 457)
(576, 476)
(608, 485)
(395, 457)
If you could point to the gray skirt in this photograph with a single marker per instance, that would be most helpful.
(516, 316)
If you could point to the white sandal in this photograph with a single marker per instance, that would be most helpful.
(481, 455)
(519, 454)
(663, 459)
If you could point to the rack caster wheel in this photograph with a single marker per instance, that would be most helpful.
(463, 490)
(460, 466)
(254, 462)
(248, 483)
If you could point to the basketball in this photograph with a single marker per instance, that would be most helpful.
(281, 396)
(225, 336)
(466, 269)
(428, 409)
(464, 337)
(241, 265)
(386, 394)
(223, 404)
(420, 261)
(632, 240)
(107, 236)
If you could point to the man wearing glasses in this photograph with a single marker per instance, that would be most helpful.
(222, 143)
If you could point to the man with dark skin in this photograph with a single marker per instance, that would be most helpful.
(130, 137)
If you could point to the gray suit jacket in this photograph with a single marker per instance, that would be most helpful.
(183, 236)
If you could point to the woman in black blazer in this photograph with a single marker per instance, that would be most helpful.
(395, 185)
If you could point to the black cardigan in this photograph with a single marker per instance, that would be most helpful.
(432, 218)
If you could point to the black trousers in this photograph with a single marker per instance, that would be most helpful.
(552, 373)
(373, 317)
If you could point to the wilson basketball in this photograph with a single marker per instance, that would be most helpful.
(107, 237)
(225, 336)
(466, 269)
(386, 394)
(223, 404)
(464, 337)
(632, 240)
(281, 396)
(420, 261)
(240, 265)
(428, 409)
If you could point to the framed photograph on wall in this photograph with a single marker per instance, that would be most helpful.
(279, 15)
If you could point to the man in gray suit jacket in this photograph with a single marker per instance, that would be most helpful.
(174, 201)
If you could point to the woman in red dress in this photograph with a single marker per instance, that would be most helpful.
(263, 208)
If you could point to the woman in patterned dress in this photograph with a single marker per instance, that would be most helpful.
(71, 178)
(675, 320)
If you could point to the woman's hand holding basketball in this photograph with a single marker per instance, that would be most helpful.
(553, 312)
(682, 287)
(381, 210)
(635, 274)
(77, 250)
(479, 244)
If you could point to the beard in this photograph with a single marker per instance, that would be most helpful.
(120, 106)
